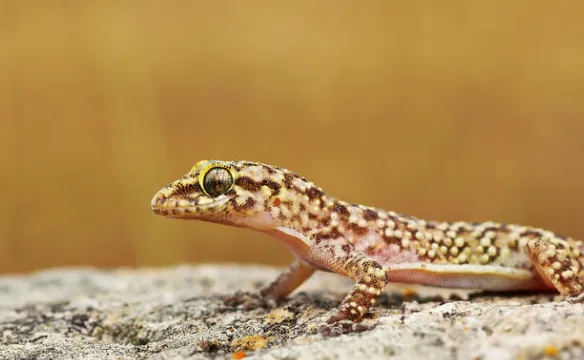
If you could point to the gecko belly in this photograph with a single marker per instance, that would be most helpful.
(486, 277)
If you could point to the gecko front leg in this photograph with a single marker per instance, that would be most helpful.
(370, 277)
(294, 276)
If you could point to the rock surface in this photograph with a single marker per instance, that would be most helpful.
(179, 313)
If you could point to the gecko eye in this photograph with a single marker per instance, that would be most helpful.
(217, 181)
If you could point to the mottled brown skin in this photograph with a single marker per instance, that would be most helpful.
(371, 246)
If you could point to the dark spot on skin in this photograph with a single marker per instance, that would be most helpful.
(272, 185)
(361, 231)
(346, 248)
(370, 215)
(249, 203)
(335, 233)
(288, 180)
(341, 209)
(269, 169)
(357, 230)
(332, 234)
(247, 183)
(390, 239)
(313, 193)
(287, 203)
(185, 190)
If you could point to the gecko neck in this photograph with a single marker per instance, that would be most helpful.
(326, 217)
(377, 232)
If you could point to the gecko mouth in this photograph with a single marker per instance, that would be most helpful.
(184, 208)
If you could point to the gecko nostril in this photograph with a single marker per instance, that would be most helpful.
(158, 200)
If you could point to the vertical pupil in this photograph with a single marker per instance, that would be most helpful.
(217, 181)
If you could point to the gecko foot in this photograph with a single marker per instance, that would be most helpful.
(249, 301)
(578, 299)
(342, 327)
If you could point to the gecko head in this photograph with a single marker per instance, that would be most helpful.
(235, 193)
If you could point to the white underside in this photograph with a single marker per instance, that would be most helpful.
(486, 277)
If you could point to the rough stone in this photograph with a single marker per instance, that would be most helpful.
(179, 313)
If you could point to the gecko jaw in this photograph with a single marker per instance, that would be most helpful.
(197, 208)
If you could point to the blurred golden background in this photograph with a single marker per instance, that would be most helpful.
(455, 111)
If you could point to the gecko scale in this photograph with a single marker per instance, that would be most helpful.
(369, 245)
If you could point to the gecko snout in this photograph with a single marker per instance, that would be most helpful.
(175, 202)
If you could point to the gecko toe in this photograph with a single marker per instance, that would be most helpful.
(342, 327)
(337, 318)
(578, 299)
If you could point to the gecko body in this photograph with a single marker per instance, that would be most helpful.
(369, 245)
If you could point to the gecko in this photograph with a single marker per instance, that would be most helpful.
(371, 246)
